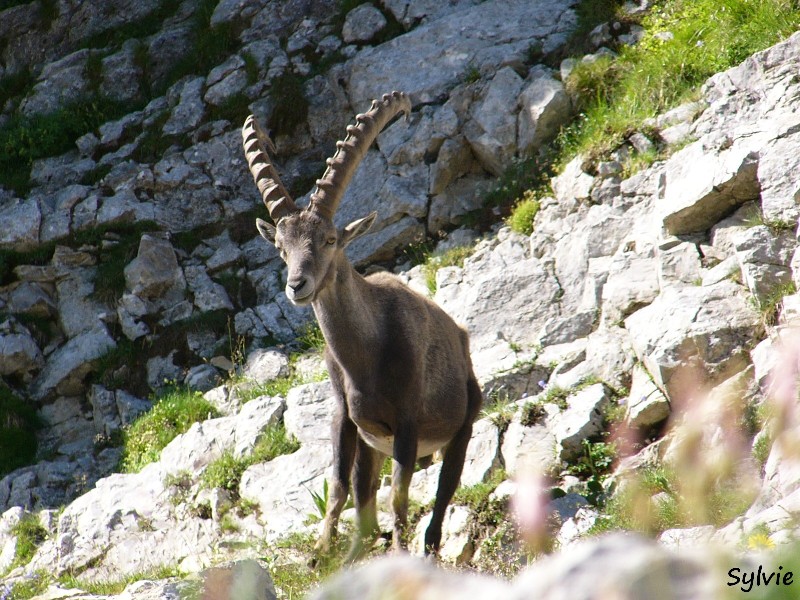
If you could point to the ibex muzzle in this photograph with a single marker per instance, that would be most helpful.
(400, 367)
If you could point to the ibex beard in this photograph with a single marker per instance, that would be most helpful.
(399, 365)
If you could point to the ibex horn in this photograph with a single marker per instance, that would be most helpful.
(278, 201)
(351, 151)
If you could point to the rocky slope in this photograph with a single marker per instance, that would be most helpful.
(131, 259)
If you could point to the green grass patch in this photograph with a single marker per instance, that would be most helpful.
(770, 306)
(18, 425)
(226, 472)
(685, 42)
(290, 105)
(454, 257)
(523, 213)
(30, 587)
(109, 587)
(15, 85)
(311, 338)
(652, 503)
(25, 139)
(30, 535)
(476, 497)
(172, 414)
(293, 577)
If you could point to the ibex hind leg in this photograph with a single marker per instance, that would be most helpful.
(452, 465)
(366, 478)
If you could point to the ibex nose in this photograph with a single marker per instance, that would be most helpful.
(297, 285)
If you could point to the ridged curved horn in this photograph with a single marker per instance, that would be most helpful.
(278, 201)
(351, 151)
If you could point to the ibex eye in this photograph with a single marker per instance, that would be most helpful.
(331, 241)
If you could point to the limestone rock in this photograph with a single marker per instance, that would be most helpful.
(493, 294)
(189, 112)
(60, 83)
(456, 546)
(764, 257)
(121, 75)
(573, 183)
(492, 132)
(499, 29)
(709, 328)
(646, 404)
(19, 225)
(225, 81)
(544, 108)
(309, 412)
(155, 270)
(702, 187)
(19, 353)
(282, 488)
(530, 446)
(582, 419)
(632, 565)
(362, 24)
(483, 453)
(208, 295)
(66, 367)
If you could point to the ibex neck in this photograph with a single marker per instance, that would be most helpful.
(343, 308)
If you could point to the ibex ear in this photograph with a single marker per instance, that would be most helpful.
(357, 228)
(266, 230)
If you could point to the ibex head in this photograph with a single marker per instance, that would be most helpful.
(307, 239)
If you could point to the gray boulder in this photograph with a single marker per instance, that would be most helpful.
(362, 24)
(694, 335)
(492, 132)
(704, 183)
(155, 270)
(19, 225)
(66, 367)
(189, 111)
(544, 108)
(61, 82)
(19, 353)
(499, 31)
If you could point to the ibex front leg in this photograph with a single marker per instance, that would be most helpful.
(344, 435)
(366, 478)
(405, 456)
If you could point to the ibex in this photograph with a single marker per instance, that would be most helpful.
(400, 367)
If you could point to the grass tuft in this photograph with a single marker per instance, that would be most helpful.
(523, 213)
(226, 472)
(172, 414)
(18, 425)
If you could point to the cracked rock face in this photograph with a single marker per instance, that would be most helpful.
(647, 282)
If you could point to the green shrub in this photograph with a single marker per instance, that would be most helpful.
(523, 213)
(18, 425)
(172, 414)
